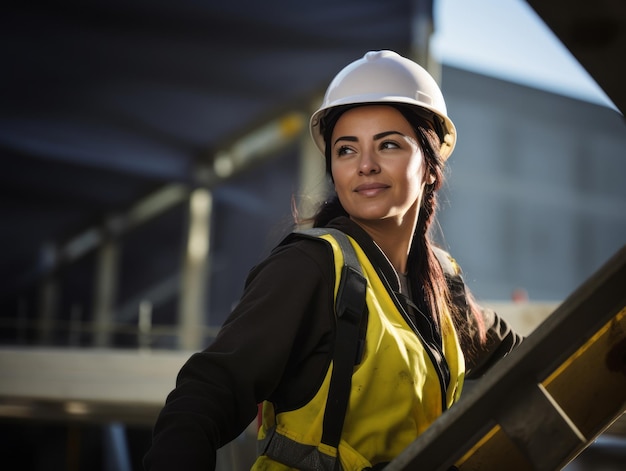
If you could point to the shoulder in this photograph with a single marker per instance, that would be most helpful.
(299, 257)
(304, 245)
(448, 264)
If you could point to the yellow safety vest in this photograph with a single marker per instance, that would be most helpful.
(395, 394)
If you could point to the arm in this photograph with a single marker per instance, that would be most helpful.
(275, 326)
(499, 341)
(485, 337)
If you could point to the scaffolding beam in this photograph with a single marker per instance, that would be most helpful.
(543, 404)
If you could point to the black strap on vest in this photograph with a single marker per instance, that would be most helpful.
(351, 310)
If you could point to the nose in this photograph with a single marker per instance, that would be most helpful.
(368, 164)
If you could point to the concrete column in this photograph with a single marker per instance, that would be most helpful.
(422, 30)
(105, 292)
(313, 185)
(144, 326)
(195, 268)
(48, 295)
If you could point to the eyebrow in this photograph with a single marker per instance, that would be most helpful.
(376, 136)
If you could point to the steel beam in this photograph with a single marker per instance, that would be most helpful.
(550, 398)
(595, 34)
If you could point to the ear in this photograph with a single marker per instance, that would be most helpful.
(431, 179)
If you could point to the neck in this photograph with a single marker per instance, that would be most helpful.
(394, 239)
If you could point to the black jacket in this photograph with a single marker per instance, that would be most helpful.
(276, 345)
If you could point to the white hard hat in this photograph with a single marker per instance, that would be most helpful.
(386, 77)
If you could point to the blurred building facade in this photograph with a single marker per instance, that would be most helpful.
(536, 199)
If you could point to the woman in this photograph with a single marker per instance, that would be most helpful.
(385, 134)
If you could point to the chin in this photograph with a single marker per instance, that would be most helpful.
(371, 217)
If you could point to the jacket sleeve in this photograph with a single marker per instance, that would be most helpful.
(486, 337)
(272, 328)
(500, 340)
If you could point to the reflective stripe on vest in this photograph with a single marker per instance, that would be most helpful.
(395, 393)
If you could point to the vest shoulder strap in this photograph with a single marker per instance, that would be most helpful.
(349, 255)
(351, 310)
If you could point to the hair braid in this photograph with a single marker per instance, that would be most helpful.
(428, 270)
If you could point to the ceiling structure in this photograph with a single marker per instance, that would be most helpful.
(102, 103)
(105, 102)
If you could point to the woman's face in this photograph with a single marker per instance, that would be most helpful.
(377, 164)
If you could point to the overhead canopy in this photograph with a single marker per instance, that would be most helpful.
(595, 34)
(104, 101)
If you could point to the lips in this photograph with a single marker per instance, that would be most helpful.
(370, 189)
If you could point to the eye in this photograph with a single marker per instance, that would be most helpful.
(389, 145)
(344, 150)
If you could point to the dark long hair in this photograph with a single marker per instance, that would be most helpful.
(424, 266)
